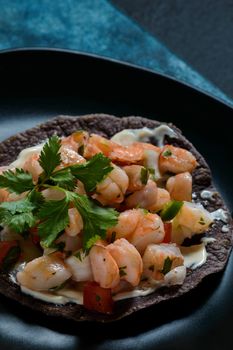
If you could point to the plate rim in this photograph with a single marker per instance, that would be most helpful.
(83, 54)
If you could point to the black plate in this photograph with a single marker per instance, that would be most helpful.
(38, 84)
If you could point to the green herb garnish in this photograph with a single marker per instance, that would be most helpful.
(201, 221)
(167, 153)
(166, 266)
(51, 217)
(144, 176)
(170, 210)
(17, 182)
(122, 271)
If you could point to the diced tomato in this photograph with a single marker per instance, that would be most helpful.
(98, 299)
(168, 232)
(5, 247)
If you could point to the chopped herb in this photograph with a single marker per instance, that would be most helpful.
(144, 175)
(122, 271)
(201, 221)
(170, 210)
(167, 153)
(166, 266)
(151, 268)
(57, 288)
(145, 211)
(78, 255)
(97, 297)
(113, 237)
(81, 150)
(151, 171)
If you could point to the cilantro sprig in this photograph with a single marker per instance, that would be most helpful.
(51, 217)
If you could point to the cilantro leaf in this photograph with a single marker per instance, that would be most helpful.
(50, 156)
(54, 217)
(17, 181)
(96, 220)
(93, 171)
(18, 215)
(20, 206)
(167, 265)
(64, 179)
(144, 175)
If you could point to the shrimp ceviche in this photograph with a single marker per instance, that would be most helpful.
(91, 220)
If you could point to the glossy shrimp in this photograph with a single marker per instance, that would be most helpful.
(130, 154)
(113, 188)
(139, 227)
(128, 260)
(144, 198)
(180, 187)
(75, 222)
(160, 259)
(44, 273)
(176, 160)
(191, 219)
(80, 266)
(104, 267)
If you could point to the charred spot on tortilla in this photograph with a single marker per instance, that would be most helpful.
(107, 126)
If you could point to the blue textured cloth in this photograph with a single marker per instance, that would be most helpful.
(93, 26)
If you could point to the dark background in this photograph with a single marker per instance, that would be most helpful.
(198, 31)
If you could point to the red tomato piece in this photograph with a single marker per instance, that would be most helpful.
(96, 298)
(5, 246)
(168, 232)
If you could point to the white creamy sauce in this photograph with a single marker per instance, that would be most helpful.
(225, 228)
(207, 194)
(207, 240)
(45, 296)
(152, 161)
(194, 256)
(220, 214)
(127, 136)
(25, 154)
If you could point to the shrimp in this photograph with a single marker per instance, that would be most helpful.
(77, 141)
(176, 160)
(104, 267)
(163, 197)
(71, 243)
(159, 259)
(144, 198)
(150, 230)
(130, 154)
(75, 222)
(134, 173)
(180, 187)
(32, 165)
(44, 273)
(113, 188)
(128, 260)
(80, 267)
(139, 228)
(69, 156)
(191, 219)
